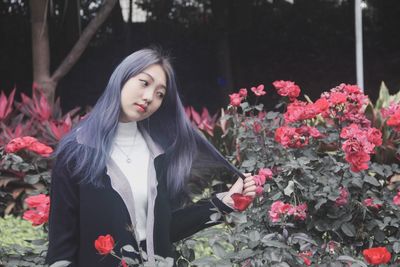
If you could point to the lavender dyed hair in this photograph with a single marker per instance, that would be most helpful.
(168, 127)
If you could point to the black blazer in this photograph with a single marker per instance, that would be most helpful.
(81, 212)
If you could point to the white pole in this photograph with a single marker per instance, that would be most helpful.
(359, 44)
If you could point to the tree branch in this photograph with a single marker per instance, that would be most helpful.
(84, 40)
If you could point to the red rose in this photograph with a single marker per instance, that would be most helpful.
(38, 200)
(40, 208)
(378, 255)
(37, 216)
(104, 244)
(236, 99)
(123, 263)
(241, 202)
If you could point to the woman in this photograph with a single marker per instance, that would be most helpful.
(122, 171)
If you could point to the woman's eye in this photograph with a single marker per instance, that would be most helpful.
(160, 95)
(144, 82)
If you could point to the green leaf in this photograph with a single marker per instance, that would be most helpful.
(289, 188)
(249, 163)
(384, 96)
(348, 229)
(129, 248)
(32, 179)
(275, 244)
(371, 180)
(219, 250)
(396, 247)
(350, 259)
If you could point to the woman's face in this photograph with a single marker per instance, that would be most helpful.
(143, 94)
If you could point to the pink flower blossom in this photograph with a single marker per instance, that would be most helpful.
(369, 202)
(243, 92)
(299, 212)
(259, 90)
(266, 172)
(287, 88)
(235, 99)
(396, 199)
(343, 198)
(278, 208)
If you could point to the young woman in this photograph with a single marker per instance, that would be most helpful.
(122, 171)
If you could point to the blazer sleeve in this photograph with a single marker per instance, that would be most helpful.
(64, 217)
(188, 220)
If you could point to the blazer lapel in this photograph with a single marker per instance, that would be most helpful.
(155, 151)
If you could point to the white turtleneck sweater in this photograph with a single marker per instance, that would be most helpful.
(129, 142)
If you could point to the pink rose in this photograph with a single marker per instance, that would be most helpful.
(243, 92)
(266, 172)
(235, 99)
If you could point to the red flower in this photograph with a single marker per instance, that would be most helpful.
(352, 89)
(241, 202)
(287, 88)
(235, 99)
(338, 98)
(375, 136)
(259, 90)
(394, 121)
(266, 172)
(369, 202)
(29, 143)
(396, 199)
(104, 244)
(40, 149)
(40, 208)
(321, 105)
(6, 105)
(123, 263)
(376, 256)
(38, 200)
(257, 127)
(358, 161)
(299, 212)
(343, 197)
(243, 92)
(305, 257)
(278, 208)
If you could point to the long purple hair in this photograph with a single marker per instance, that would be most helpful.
(168, 127)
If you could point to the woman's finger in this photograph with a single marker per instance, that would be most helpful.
(248, 179)
(250, 189)
(249, 182)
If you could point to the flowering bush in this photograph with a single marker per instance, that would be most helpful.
(329, 198)
(28, 131)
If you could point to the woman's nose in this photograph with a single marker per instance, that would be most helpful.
(148, 96)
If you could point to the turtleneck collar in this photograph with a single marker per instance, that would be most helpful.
(126, 133)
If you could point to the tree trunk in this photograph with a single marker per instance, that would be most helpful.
(41, 51)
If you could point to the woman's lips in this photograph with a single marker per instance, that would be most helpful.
(141, 108)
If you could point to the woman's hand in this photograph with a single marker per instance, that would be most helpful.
(247, 187)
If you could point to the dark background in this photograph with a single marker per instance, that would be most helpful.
(218, 46)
